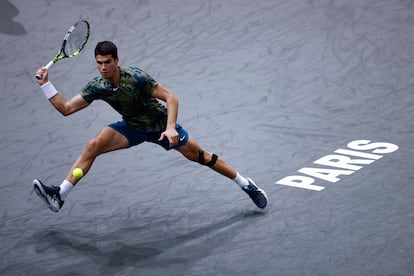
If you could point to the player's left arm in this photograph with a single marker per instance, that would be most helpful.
(161, 93)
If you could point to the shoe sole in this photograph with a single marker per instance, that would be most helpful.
(41, 193)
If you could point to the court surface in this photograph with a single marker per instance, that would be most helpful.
(271, 86)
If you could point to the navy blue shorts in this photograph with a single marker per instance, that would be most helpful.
(136, 137)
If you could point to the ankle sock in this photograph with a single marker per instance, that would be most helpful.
(65, 188)
(241, 181)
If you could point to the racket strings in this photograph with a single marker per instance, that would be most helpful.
(77, 38)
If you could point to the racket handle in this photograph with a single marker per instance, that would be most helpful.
(38, 76)
(49, 64)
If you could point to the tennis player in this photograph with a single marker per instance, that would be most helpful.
(136, 96)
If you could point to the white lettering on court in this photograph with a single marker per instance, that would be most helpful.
(344, 162)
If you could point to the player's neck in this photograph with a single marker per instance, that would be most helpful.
(116, 77)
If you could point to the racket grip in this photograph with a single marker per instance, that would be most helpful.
(38, 76)
(49, 64)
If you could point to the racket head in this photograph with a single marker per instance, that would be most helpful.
(75, 39)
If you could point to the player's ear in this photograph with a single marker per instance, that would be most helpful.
(116, 60)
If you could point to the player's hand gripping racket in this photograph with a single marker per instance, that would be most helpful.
(73, 42)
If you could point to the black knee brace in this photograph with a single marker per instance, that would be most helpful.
(202, 161)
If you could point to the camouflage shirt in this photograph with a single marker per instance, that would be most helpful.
(131, 97)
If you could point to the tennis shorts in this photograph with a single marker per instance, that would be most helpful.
(136, 137)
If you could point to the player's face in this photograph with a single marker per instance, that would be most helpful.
(107, 66)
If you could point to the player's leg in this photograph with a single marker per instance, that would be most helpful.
(193, 151)
(107, 140)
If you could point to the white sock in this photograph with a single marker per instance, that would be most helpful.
(65, 188)
(241, 181)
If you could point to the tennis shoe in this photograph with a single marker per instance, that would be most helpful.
(49, 194)
(258, 196)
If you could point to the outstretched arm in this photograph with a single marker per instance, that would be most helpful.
(160, 92)
(63, 105)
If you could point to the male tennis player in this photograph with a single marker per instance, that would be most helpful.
(135, 95)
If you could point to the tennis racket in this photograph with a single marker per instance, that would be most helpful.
(74, 41)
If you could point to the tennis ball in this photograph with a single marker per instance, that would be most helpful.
(77, 173)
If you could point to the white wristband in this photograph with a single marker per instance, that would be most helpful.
(49, 90)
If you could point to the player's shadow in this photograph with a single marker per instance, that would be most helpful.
(173, 249)
(7, 12)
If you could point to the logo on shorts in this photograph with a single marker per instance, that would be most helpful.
(182, 138)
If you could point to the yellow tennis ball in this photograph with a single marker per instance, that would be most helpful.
(77, 173)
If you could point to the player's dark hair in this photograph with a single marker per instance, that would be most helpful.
(104, 48)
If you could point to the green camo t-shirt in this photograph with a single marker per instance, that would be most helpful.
(132, 98)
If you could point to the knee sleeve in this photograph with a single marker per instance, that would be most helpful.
(202, 161)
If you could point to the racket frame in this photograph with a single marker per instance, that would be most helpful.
(61, 54)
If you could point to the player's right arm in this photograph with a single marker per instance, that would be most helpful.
(67, 107)
(63, 105)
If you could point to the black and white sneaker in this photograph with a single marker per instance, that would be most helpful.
(258, 196)
(49, 194)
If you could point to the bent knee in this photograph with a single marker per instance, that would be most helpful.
(207, 158)
(94, 146)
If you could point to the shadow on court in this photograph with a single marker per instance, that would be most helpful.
(271, 86)
(110, 251)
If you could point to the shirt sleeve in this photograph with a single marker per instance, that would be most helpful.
(87, 92)
(145, 82)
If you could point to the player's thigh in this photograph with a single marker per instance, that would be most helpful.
(108, 139)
